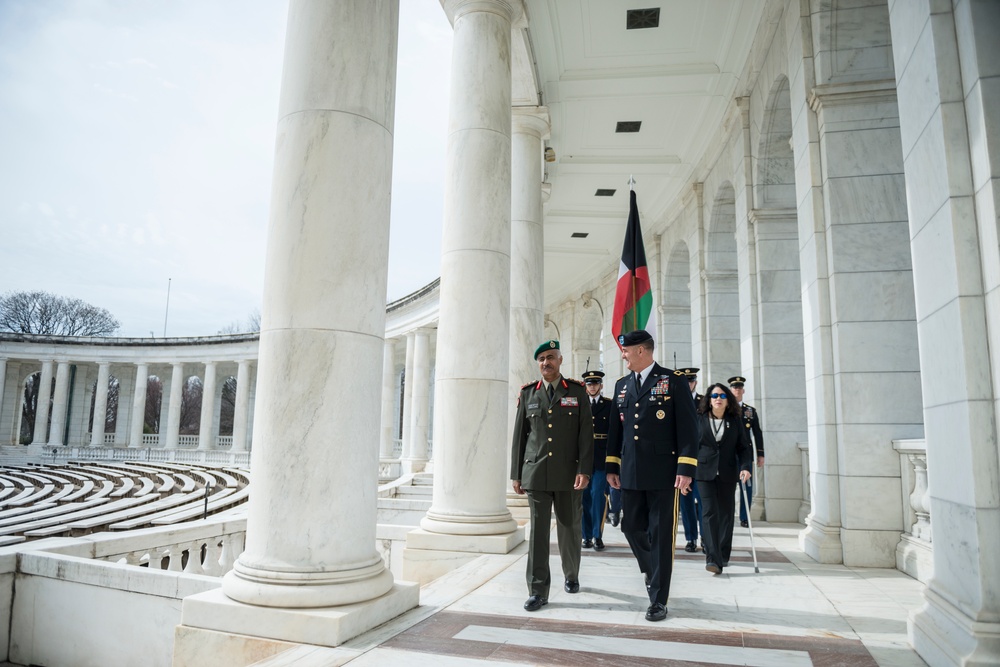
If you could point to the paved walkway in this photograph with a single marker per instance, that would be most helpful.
(793, 612)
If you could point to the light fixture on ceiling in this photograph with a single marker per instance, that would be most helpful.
(550, 154)
(628, 126)
(579, 235)
(605, 192)
(637, 19)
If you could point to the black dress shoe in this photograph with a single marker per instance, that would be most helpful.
(535, 602)
(656, 612)
(725, 564)
(689, 547)
(598, 544)
(713, 568)
(571, 586)
(744, 524)
(588, 543)
(615, 519)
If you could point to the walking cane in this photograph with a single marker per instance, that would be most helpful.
(743, 488)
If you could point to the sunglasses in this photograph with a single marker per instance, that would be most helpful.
(717, 396)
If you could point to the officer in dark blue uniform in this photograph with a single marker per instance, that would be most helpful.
(691, 502)
(751, 421)
(595, 495)
(652, 457)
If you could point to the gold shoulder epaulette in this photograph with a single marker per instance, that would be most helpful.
(575, 381)
(678, 372)
(527, 384)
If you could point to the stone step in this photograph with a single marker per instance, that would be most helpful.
(418, 491)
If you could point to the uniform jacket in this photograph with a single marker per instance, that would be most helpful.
(751, 420)
(653, 436)
(723, 459)
(602, 414)
(553, 442)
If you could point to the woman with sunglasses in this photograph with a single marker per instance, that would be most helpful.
(724, 458)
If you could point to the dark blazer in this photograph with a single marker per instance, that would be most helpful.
(653, 435)
(723, 459)
(553, 442)
(751, 419)
(602, 414)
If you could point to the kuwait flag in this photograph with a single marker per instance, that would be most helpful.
(634, 296)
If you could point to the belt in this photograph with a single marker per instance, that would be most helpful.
(600, 436)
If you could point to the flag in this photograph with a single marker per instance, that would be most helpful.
(634, 307)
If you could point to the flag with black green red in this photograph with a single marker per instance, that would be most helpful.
(634, 295)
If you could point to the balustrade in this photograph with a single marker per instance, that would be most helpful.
(914, 553)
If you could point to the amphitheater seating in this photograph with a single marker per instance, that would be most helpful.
(82, 497)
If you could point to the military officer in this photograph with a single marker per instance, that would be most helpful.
(751, 420)
(552, 458)
(652, 457)
(595, 495)
(691, 502)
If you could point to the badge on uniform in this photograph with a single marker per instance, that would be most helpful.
(660, 414)
(534, 406)
(569, 402)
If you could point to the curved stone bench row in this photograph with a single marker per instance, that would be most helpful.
(82, 497)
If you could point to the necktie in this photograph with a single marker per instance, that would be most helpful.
(638, 380)
(551, 391)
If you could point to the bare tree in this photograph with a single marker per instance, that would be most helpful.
(227, 410)
(44, 313)
(154, 402)
(191, 406)
(250, 325)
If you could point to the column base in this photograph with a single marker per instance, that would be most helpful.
(821, 543)
(428, 556)
(300, 590)
(942, 635)
(451, 524)
(220, 631)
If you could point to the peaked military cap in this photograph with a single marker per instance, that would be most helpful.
(547, 345)
(737, 380)
(691, 373)
(634, 338)
(593, 377)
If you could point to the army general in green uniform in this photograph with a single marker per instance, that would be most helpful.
(552, 458)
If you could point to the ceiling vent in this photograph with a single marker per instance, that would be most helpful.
(637, 19)
(604, 192)
(580, 235)
(627, 126)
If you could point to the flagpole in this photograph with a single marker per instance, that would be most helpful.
(635, 314)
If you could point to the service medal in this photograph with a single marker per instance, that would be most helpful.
(660, 414)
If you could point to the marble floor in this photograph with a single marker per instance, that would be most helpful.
(793, 612)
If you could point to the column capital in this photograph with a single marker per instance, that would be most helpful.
(511, 10)
(530, 120)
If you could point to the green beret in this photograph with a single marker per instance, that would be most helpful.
(547, 345)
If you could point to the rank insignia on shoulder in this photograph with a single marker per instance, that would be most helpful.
(679, 373)
(527, 384)
(575, 381)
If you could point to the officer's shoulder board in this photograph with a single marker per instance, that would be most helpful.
(527, 384)
(680, 373)
(575, 381)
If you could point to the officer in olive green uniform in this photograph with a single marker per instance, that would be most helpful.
(552, 458)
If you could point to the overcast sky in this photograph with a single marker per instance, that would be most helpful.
(136, 146)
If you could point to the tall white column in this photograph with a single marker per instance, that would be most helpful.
(138, 405)
(407, 417)
(206, 435)
(529, 127)
(3, 395)
(420, 409)
(42, 407)
(59, 403)
(241, 412)
(100, 404)
(471, 393)
(324, 298)
(174, 410)
(388, 398)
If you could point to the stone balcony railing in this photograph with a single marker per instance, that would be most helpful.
(914, 553)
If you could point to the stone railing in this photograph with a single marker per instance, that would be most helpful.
(806, 506)
(914, 553)
(212, 456)
(208, 549)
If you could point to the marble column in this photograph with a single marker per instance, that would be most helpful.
(407, 425)
(420, 412)
(946, 72)
(206, 434)
(42, 406)
(138, 406)
(529, 126)
(241, 411)
(59, 404)
(3, 396)
(100, 404)
(324, 299)
(174, 401)
(388, 399)
(471, 392)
